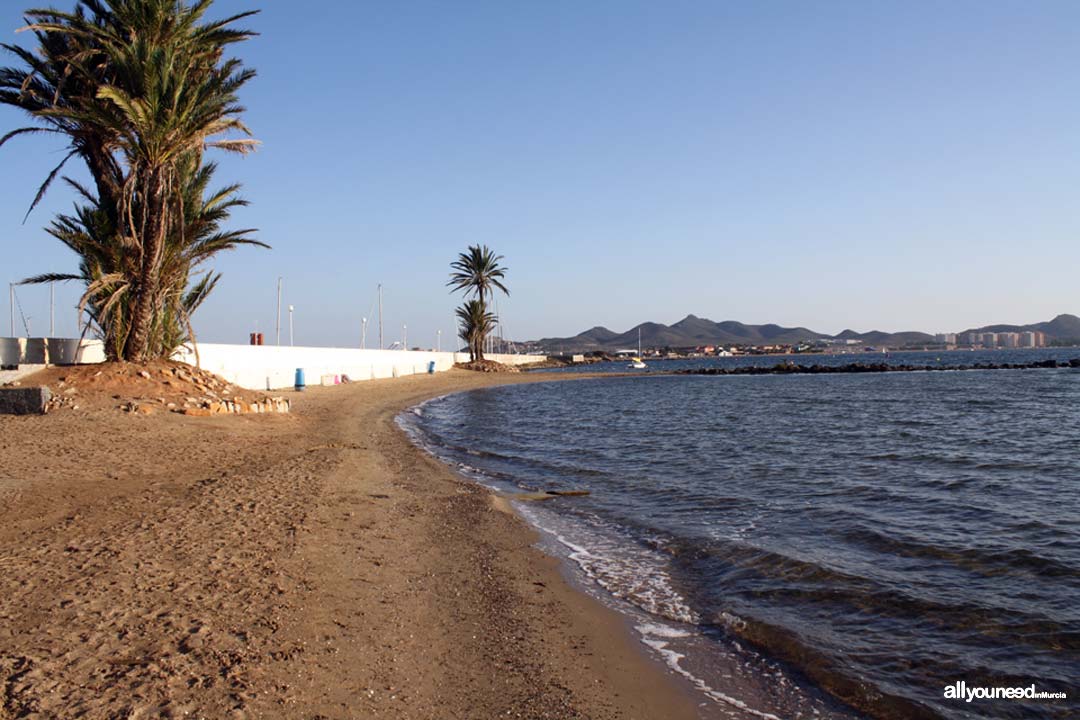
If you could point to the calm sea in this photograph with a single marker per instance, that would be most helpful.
(810, 546)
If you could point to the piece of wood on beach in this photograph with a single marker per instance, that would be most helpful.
(546, 495)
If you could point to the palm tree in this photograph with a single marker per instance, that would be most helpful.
(105, 264)
(141, 89)
(478, 272)
(475, 322)
(168, 100)
(58, 87)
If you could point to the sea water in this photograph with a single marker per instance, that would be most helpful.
(810, 546)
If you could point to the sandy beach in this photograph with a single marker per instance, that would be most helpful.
(311, 565)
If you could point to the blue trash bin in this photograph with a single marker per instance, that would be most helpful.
(431, 368)
(299, 380)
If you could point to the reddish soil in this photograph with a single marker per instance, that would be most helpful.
(141, 387)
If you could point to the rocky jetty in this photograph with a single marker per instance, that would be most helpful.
(791, 368)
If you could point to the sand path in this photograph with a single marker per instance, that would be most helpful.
(307, 566)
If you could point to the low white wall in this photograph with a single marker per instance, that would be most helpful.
(264, 367)
(258, 367)
(51, 351)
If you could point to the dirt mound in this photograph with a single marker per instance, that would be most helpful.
(149, 387)
(487, 366)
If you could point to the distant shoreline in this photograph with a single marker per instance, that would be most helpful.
(785, 365)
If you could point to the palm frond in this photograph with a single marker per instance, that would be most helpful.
(49, 278)
(48, 181)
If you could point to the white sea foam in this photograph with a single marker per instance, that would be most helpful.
(664, 631)
(659, 637)
(732, 620)
(624, 568)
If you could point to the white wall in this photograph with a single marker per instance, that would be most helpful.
(259, 367)
(55, 351)
(264, 367)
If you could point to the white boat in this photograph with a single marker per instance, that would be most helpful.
(636, 363)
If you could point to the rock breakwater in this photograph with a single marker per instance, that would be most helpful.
(791, 368)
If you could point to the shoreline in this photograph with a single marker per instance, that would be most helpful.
(675, 645)
(295, 566)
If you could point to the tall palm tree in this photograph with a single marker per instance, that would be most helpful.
(477, 272)
(141, 89)
(57, 86)
(474, 325)
(105, 264)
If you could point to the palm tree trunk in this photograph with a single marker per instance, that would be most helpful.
(481, 336)
(153, 242)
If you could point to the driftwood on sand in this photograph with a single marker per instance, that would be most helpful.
(546, 495)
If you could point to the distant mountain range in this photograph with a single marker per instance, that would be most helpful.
(693, 331)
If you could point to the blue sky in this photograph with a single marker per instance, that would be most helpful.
(873, 165)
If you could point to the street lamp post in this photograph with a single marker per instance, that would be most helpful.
(363, 333)
(277, 323)
(438, 341)
(290, 326)
(404, 337)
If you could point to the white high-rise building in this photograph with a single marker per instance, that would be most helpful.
(1028, 339)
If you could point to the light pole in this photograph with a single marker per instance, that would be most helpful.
(380, 317)
(11, 303)
(404, 337)
(290, 326)
(438, 341)
(277, 324)
(363, 333)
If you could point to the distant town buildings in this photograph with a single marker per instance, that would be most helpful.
(1020, 339)
(1026, 339)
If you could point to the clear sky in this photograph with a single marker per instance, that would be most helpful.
(873, 165)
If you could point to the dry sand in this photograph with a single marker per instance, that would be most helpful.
(312, 565)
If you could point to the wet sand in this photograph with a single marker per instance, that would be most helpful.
(313, 565)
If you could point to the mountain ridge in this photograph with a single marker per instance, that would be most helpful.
(692, 331)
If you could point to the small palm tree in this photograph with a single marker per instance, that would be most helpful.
(475, 323)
